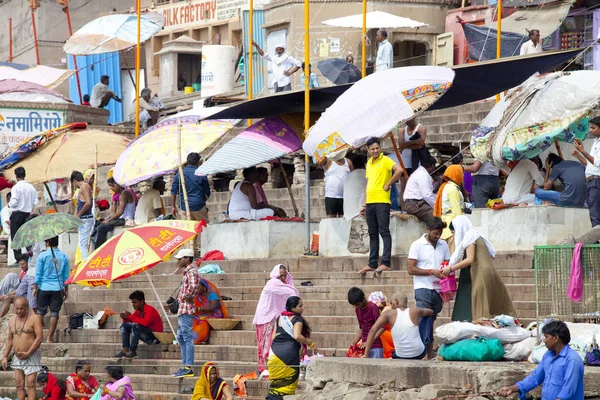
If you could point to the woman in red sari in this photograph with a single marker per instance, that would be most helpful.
(81, 385)
(208, 305)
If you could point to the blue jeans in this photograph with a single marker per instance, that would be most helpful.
(549, 195)
(186, 339)
(131, 334)
(394, 197)
(85, 231)
(376, 353)
(428, 299)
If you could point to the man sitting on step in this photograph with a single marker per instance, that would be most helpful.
(142, 324)
(404, 323)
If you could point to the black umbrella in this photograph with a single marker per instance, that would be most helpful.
(339, 71)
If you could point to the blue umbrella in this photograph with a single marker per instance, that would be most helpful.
(339, 71)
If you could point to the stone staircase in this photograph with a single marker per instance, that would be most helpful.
(331, 317)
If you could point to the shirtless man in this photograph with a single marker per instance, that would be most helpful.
(25, 336)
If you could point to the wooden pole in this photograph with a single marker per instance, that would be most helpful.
(181, 177)
(10, 41)
(289, 188)
(35, 41)
(307, 119)
(137, 70)
(50, 195)
(398, 155)
(364, 39)
(250, 52)
(74, 57)
(499, 36)
(95, 184)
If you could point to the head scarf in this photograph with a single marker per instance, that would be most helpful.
(273, 297)
(464, 236)
(88, 175)
(453, 173)
(203, 389)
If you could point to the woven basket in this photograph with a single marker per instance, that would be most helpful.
(222, 324)
(164, 337)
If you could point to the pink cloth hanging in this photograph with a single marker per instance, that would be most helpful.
(575, 288)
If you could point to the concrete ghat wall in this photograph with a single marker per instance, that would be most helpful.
(407, 380)
(512, 229)
(256, 239)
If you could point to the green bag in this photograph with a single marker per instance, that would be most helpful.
(479, 349)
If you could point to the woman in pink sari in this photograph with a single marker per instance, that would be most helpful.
(270, 306)
(118, 386)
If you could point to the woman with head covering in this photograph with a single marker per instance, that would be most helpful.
(210, 386)
(449, 200)
(292, 334)
(270, 306)
(53, 388)
(209, 304)
(481, 292)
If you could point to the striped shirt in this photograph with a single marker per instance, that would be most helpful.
(189, 288)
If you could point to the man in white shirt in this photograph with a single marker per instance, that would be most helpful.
(532, 46)
(591, 161)
(418, 193)
(101, 94)
(486, 182)
(425, 258)
(5, 217)
(22, 202)
(385, 52)
(520, 182)
(283, 66)
(150, 205)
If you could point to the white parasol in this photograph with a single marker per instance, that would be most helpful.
(375, 20)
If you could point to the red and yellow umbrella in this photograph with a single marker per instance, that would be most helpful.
(134, 251)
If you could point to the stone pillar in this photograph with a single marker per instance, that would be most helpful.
(299, 177)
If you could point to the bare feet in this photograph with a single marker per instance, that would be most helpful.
(49, 340)
(382, 268)
(365, 270)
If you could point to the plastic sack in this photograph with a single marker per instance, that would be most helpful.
(480, 349)
(519, 351)
(511, 334)
(454, 331)
(355, 351)
(537, 353)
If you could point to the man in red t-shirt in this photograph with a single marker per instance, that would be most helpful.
(367, 314)
(138, 326)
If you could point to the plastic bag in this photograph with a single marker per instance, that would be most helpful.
(519, 351)
(592, 357)
(455, 331)
(537, 353)
(355, 351)
(512, 334)
(480, 349)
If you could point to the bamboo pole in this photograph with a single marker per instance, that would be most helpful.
(35, 41)
(307, 118)
(289, 188)
(160, 303)
(74, 57)
(499, 36)
(10, 41)
(181, 177)
(364, 39)
(398, 155)
(137, 68)
(250, 52)
(51, 197)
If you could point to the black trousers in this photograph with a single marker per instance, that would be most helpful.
(17, 220)
(593, 201)
(378, 222)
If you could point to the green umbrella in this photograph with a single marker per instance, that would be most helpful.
(43, 228)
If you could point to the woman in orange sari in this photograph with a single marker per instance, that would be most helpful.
(81, 385)
(208, 305)
(210, 386)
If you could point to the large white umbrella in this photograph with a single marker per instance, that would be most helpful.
(373, 106)
(375, 20)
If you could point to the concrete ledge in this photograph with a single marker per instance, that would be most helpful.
(385, 377)
(256, 239)
(334, 234)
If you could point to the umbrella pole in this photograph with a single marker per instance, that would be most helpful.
(50, 195)
(74, 57)
(363, 60)
(398, 155)
(289, 188)
(137, 68)
(307, 117)
(10, 41)
(183, 189)
(160, 303)
(35, 41)
(499, 35)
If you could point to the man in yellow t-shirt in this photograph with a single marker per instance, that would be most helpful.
(382, 172)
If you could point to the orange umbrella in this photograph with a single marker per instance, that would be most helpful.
(135, 251)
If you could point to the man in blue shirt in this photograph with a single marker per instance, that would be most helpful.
(560, 372)
(49, 285)
(198, 191)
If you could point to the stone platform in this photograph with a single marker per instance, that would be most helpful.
(368, 379)
(256, 239)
